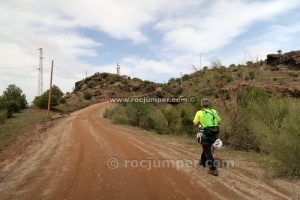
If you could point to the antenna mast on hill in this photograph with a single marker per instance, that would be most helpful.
(40, 73)
(200, 55)
(118, 69)
(181, 74)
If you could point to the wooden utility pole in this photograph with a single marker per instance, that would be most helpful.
(50, 89)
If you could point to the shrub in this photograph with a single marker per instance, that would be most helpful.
(252, 95)
(251, 75)
(249, 63)
(117, 114)
(87, 95)
(92, 84)
(157, 120)
(187, 112)
(244, 137)
(12, 107)
(138, 114)
(172, 115)
(232, 66)
(56, 98)
(185, 77)
(277, 124)
(237, 130)
(13, 100)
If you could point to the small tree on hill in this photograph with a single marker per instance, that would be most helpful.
(279, 52)
(13, 100)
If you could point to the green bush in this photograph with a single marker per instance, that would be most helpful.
(236, 129)
(146, 116)
(187, 112)
(12, 107)
(56, 98)
(13, 100)
(117, 114)
(268, 124)
(252, 95)
(243, 137)
(92, 84)
(138, 114)
(165, 119)
(157, 121)
(277, 124)
(172, 115)
(87, 95)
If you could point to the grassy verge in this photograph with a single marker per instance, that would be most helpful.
(18, 124)
(191, 145)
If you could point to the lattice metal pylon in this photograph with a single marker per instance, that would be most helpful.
(40, 74)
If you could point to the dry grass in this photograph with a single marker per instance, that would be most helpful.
(18, 124)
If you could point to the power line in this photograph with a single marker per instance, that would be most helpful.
(18, 67)
(66, 72)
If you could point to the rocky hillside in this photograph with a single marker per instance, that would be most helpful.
(101, 86)
(290, 59)
(279, 74)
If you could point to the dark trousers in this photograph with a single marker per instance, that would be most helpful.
(207, 158)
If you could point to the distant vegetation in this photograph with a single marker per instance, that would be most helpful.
(12, 101)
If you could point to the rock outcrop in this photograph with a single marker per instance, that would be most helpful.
(106, 83)
(291, 59)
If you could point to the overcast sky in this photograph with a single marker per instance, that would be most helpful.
(153, 40)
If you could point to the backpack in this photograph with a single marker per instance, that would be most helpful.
(212, 125)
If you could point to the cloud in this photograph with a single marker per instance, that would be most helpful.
(121, 19)
(275, 37)
(224, 20)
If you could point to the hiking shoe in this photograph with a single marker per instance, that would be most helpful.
(213, 172)
(201, 164)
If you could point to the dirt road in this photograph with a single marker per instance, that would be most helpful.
(86, 157)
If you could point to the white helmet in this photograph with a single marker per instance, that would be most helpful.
(217, 144)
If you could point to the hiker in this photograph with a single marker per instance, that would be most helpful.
(208, 121)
